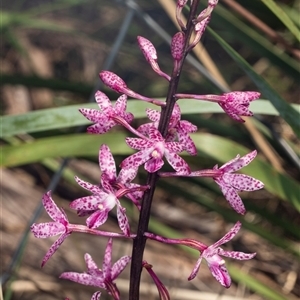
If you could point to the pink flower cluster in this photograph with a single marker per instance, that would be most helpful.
(152, 147)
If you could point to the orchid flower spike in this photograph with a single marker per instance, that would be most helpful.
(59, 226)
(96, 277)
(216, 264)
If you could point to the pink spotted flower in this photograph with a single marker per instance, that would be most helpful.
(123, 180)
(229, 182)
(96, 277)
(109, 116)
(235, 104)
(59, 226)
(152, 151)
(99, 204)
(216, 264)
(177, 130)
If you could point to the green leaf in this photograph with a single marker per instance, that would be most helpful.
(9, 19)
(245, 34)
(286, 111)
(68, 116)
(220, 149)
(63, 146)
(283, 17)
(50, 83)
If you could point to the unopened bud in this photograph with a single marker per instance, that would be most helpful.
(147, 48)
(113, 81)
(177, 45)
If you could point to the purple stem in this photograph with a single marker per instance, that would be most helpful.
(201, 173)
(140, 240)
(125, 124)
(183, 242)
(211, 98)
(85, 229)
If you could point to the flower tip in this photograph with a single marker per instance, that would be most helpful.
(113, 81)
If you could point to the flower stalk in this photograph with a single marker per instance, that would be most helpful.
(166, 113)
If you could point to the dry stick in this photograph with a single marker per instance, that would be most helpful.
(140, 241)
(262, 26)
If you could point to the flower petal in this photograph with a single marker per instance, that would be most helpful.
(96, 296)
(228, 236)
(153, 115)
(54, 247)
(155, 135)
(236, 254)
(221, 274)
(177, 163)
(196, 269)
(88, 186)
(97, 218)
(153, 165)
(122, 219)
(138, 144)
(90, 263)
(232, 197)
(106, 266)
(103, 102)
(120, 105)
(127, 175)
(83, 278)
(237, 164)
(103, 126)
(136, 159)
(119, 266)
(243, 182)
(107, 163)
(44, 230)
(52, 209)
(88, 203)
(92, 115)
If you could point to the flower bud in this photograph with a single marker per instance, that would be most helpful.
(177, 45)
(113, 81)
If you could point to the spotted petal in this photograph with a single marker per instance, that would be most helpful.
(54, 247)
(82, 278)
(97, 218)
(119, 266)
(52, 209)
(103, 101)
(221, 274)
(232, 196)
(122, 219)
(44, 230)
(107, 163)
